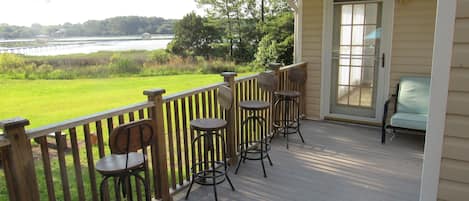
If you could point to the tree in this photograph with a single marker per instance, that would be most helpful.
(277, 44)
(194, 36)
(243, 23)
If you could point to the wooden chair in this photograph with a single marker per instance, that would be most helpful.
(204, 171)
(411, 106)
(128, 144)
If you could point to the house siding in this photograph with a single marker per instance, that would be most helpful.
(454, 171)
(311, 53)
(412, 45)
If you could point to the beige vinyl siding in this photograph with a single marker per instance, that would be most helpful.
(311, 53)
(412, 45)
(454, 173)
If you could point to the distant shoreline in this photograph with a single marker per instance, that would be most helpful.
(74, 45)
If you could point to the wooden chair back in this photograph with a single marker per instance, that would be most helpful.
(297, 75)
(225, 97)
(131, 137)
(267, 81)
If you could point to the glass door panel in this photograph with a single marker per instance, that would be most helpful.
(355, 57)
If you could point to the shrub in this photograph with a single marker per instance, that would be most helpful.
(120, 64)
(160, 56)
(10, 62)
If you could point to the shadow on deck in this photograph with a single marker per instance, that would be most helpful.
(338, 162)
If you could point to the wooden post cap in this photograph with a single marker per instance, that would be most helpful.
(154, 92)
(229, 74)
(275, 66)
(13, 123)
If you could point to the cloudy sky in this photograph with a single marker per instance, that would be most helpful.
(50, 12)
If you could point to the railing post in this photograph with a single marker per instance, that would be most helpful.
(303, 91)
(20, 162)
(229, 77)
(158, 150)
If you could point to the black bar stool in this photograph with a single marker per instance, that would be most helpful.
(287, 107)
(125, 161)
(205, 172)
(250, 147)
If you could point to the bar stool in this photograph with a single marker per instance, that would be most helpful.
(207, 173)
(287, 119)
(249, 146)
(125, 161)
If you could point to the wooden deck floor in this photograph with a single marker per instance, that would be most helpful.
(337, 163)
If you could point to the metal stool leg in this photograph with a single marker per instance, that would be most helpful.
(262, 159)
(101, 187)
(193, 169)
(298, 121)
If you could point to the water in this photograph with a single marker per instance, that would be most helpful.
(87, 45)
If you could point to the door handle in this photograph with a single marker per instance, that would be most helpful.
(383, 60)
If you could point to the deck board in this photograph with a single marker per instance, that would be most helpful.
(338, 162)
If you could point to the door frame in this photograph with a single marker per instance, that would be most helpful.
(383, 76)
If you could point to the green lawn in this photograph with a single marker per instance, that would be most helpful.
(50, 101)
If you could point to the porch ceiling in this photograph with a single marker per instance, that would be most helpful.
(337, 163)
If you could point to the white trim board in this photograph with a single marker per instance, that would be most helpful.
(441, 64)
(383, 90)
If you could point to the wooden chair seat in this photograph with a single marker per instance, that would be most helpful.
(254, 105)
(208, 124)
(290, 94)
(115, 163)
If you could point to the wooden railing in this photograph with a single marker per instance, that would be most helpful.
(34, 171)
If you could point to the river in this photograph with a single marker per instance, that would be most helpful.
(84, 45)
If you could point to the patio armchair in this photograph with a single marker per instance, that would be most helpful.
(411, 106)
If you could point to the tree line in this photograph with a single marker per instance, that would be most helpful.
(243, 31)
(116, 26)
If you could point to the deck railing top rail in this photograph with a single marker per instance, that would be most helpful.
(45, 130)
(295, 65)
(192, 92)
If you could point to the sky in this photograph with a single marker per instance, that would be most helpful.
(53, 12)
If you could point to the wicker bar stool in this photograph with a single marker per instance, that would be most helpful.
(251, 148)
(207, 174)
(287, 107)
(125, 161)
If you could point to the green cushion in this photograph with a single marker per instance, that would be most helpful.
(407, 120)
(414, 95)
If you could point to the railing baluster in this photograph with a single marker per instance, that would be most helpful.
(89, 156)
(215, 106)
(185, 138)
(63, 166)
(131, 117)
(177, 126)
(169, 131)
(47, 168)
(191, 131)
(121, 119)
(76, 163)
(141, 114)
(197, 116)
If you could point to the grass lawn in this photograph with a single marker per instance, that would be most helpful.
(50, 101)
